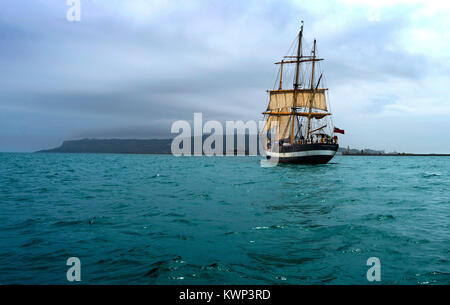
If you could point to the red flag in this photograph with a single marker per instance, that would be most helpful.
(337, 130)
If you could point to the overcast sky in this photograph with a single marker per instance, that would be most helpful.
(130, 68)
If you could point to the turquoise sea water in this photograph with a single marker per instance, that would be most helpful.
(158, 219)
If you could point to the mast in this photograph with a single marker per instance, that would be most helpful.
(281, 75)
(294, 104)
(312, 88)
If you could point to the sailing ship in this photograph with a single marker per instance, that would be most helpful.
(298, 123)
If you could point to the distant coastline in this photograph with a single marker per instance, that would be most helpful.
(163, 146)
(370, 152)
(398, 155)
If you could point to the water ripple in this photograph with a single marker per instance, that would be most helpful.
(156, 219)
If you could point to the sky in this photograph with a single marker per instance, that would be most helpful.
(129, 69)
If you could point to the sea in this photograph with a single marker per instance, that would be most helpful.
(160, 219)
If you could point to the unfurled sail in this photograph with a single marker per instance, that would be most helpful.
(281, 122)
(283, 100)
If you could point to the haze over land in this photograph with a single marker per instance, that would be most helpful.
(131, 68)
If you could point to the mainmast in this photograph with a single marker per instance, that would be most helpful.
(312, 90)
(281, 76)
(296, 84)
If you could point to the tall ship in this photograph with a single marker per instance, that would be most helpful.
(298, 123)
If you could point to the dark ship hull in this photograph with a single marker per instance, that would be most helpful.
(318, 153)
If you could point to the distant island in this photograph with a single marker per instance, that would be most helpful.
(127, 146)
(113, 146)
(162, 146)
